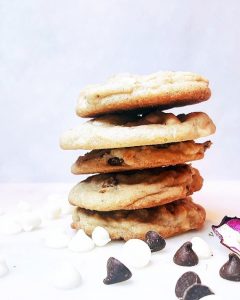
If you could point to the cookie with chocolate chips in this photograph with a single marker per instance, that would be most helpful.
(137, 158)
(136, 190)
(166, 220)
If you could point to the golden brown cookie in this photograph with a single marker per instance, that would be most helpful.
(136, 189)
(137, 158)
(127, 130)
(135, 92)
(168, 220)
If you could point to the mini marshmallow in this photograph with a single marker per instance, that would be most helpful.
(100, 236)
(66, 277)
(29, 221)
(24, 206)
(136, 253)
(8, 225)
(201, 248)
(3, 267)
(81, 242)
(57, 239)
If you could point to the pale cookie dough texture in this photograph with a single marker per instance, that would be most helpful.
(135, 92)
(137, 158)
(168, 220)
(136, 190)
(118, 131)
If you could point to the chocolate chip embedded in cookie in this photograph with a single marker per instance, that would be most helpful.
(167, 220)
(139, 92)
(137, 158)
(136, 189)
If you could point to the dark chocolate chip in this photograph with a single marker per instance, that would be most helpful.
(184, 282)
(116, 271)
(182, 117)
(154, 241)
(109, 182)
(231, 269)
(196, 292)
(115, 161)
(162, 146)
(185, 256)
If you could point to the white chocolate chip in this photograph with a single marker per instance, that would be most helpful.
(61, 200)
(57, 239)
(3, 267)
(29, 221)
(136, 253)
(100, 236)
(81, 242)
(201, 248)
(66, 276)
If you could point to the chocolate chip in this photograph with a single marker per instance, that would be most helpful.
(196, 292)
(185, 256)
(182, 117)
(109, 182)
(154, 241)
(115, 161)
(116, 271)
(231, 269)
(162, 146)
(185, 281)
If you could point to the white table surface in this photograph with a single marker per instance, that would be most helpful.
(31, 263)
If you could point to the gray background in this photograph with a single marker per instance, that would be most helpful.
(49, 50)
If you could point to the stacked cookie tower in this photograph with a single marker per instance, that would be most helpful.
(141, 154)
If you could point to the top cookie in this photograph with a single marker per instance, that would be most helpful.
(136, 92)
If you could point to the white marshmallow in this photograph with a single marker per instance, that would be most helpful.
(136, 253)
(57, 239)
(29, 221)
(66, 277)
(81, 242)
(8, 225)
(24, 206)
(201, 248)
(100, 236)
(3, 267)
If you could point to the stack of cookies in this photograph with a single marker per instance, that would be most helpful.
(141, 155)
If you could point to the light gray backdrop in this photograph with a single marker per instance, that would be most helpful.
(49, 50)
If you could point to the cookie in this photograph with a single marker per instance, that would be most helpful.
(119, 131)
(168, 220)
(135, 92)
(137, 158)
(135, 190)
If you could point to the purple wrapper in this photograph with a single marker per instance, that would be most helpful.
(228, 231)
